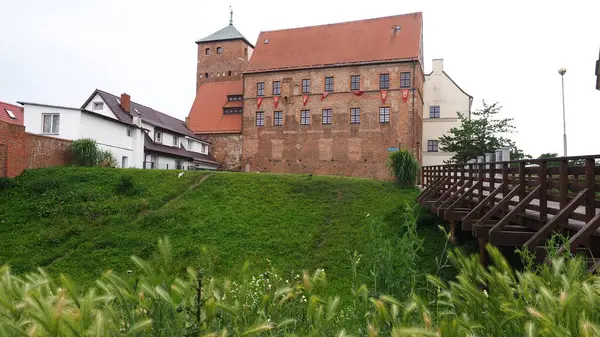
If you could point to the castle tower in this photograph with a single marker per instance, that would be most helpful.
(223, 55)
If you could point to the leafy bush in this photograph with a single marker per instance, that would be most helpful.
(106, 159)
(404, 167)
(85, 152)
(125, 186)
(6, 183)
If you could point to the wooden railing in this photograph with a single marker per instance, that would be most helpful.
(548, 195)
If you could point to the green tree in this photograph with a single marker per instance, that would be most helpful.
(481, 134)
(549, 156)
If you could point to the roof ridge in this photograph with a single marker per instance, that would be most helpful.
(342, 22)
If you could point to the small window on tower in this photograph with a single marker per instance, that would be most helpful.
(205, 75)
(245, 51)
(207, 51)
(229, 73)
(219, 50)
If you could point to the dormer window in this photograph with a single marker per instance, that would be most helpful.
(234, 98)
(230, 111)
(175, 141)
(158, 137)
(98, 106)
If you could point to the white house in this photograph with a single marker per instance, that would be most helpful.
(443, 98)
(138, 136)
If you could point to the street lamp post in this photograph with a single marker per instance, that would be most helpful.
(562, 72)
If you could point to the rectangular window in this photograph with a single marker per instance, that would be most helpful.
(384, 81)
(190, 144)
(278, 118)
(434, 111)
(51, 123)
(327, 116)
(207, 51)
(260, 118)
(98, 106)
(355, 116)
(128, 132)
(276, 88)
(124, 161)
(329, 84)
(178, 165)
(231, 111)
(384, 115)
(432, 146)
(405, 80)
(158, 137)
(234, 98)
(305, 86)
(260, 89)
(305, 117)
(219, 50)
(355, 82)
(175, 141)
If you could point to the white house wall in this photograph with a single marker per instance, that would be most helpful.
(439, 90)
(69, 120)
(105, 109)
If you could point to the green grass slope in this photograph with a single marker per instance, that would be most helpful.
(78, 221)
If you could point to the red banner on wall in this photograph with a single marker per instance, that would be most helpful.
(259, 101)
(276, 101)
(383, 95)
(304, 100)
(358, 93)
(404, 95)
(325, 94)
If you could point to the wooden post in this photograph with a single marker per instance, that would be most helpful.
(590, 184)
(481, 177)
(483, 258)
(492, 182)
(471, 182)
(505, 186)
(453, 231)
(543, 180)
(522, 187)
(564, 183)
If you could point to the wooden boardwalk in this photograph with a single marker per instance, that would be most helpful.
(519, 204)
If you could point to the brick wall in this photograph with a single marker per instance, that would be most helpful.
(341, 148)
(227, 66)
(20, 150)
(226, 148)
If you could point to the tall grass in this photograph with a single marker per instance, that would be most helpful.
(559, 299)
(404, 167)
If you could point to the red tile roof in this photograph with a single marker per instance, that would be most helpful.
(338, 44)
(206, 115)
(16, 110)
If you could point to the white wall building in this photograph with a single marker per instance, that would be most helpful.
(443, 98)
(138, 136)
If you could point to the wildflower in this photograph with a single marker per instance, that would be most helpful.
(485, 293)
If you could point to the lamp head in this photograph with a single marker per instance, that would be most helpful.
(562, 71)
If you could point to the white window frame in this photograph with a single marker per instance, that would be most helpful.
(190, 144)
(175, 141)
(10, 113)
(96, 105)
(51, 131)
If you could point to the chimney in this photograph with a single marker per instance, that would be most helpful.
(126, 102)
(438, 65)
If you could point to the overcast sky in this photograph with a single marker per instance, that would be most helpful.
(59, 51)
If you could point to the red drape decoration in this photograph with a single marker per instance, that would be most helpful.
(276, 101)
(325, 94)
(404, 95)
(304, 100)
(358, 93)
(259, 101)
(383, 95)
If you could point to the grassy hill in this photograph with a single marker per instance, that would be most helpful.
(83, 221)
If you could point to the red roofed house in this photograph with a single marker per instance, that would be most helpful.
(11, 114)
(331, 99)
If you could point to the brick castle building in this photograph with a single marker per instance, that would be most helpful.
(332, 99)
